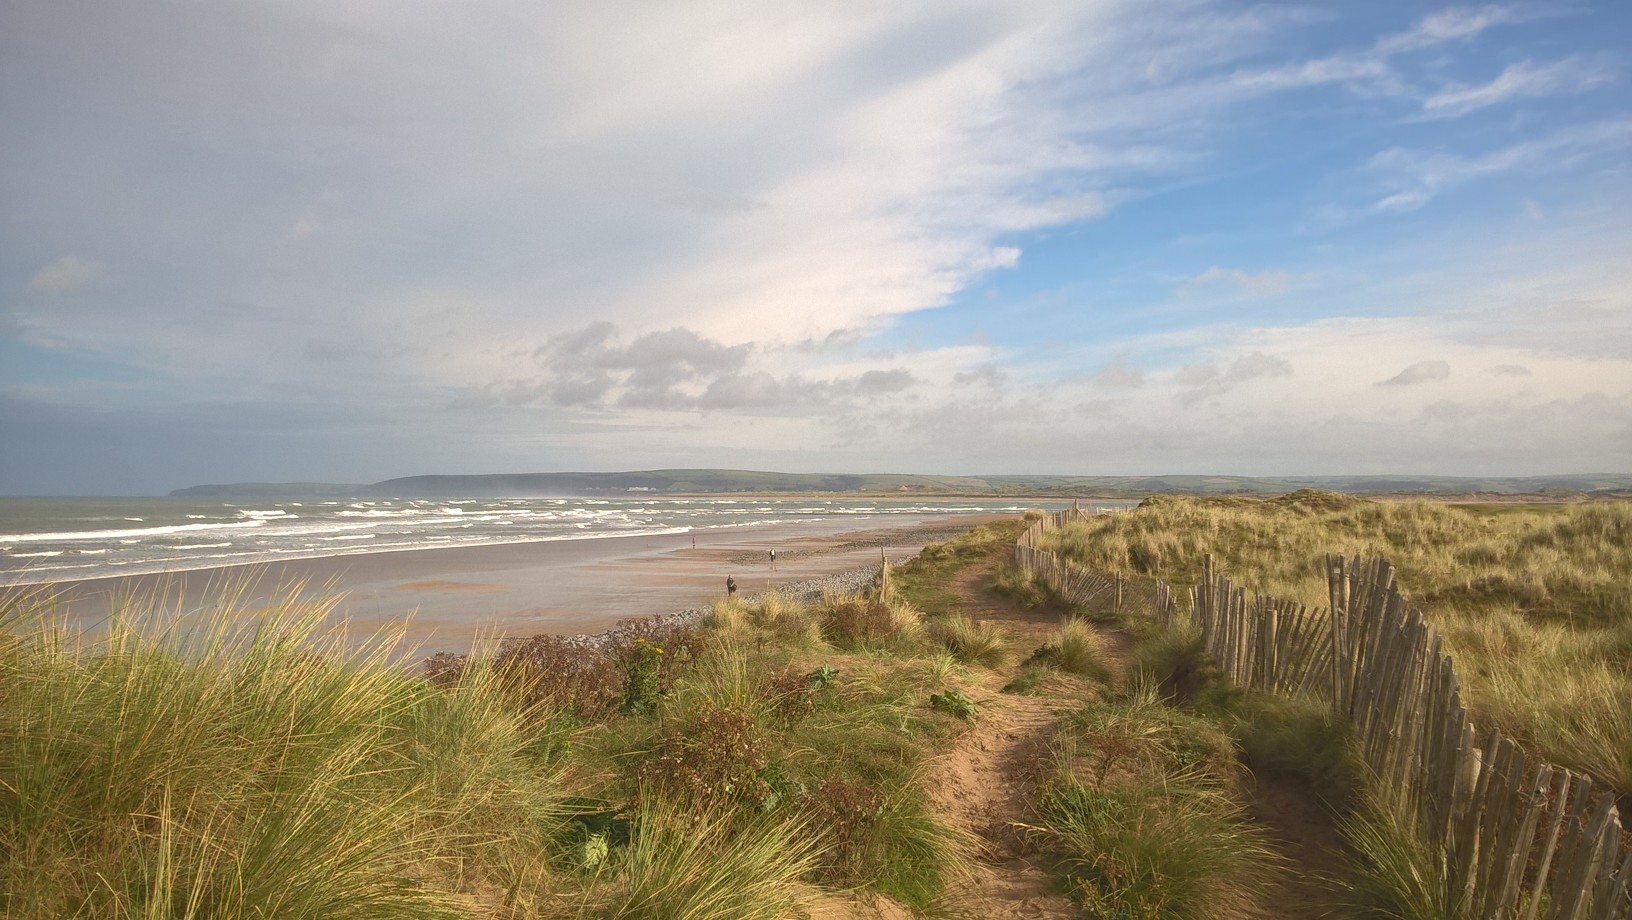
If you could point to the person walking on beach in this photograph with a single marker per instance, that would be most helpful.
(730, 586)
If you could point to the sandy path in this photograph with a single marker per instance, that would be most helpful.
(985, 783)
(1303, 832)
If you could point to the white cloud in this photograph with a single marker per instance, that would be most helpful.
(1235, 280)
(1525, 79)
(1455, 24)
(69, 273)
(1414, 177)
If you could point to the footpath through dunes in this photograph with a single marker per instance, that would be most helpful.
(985, 784)
(989, 783)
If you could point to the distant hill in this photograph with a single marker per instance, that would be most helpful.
(728, 481)
(272, 490)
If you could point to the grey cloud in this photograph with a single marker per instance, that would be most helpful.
(1206, 380)
(988, 374)
(1421, 372)
(1118, 374)
(1196, 375)
(584, 390)
(662, 398)
(882, 382)
(661, 359)
(587, 365)
(747, 391)
(590, 338)
(1259, 364)
(837, 340)
(678, 370)
(1510, 370)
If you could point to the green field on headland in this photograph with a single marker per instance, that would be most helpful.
(703, 482)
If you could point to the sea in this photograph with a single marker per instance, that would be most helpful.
(66, 539)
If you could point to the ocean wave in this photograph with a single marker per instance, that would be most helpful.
(116, 534)
(200, 545)
(53, 552)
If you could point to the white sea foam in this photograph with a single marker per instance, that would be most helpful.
(202, 545)
(54, 552)
(116, 534)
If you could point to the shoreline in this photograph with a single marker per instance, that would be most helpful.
(446, 599)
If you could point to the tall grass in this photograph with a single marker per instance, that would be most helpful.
(1140, 815)
(1535, 603)
(972, 641)
(699, 865)
(260, 764)
(1396, 875)
(255, 766)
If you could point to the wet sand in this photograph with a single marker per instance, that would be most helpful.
(450, 597)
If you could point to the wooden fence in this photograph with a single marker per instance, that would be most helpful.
(1518, 838)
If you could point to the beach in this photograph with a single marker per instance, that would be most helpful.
(445, 599)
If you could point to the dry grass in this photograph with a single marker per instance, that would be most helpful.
(1535, 602)
(1141, 813)
(972, 641)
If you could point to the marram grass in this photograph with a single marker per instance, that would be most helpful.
(253, 765)
(1534, 602)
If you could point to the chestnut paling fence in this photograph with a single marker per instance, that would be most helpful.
(1517, 837)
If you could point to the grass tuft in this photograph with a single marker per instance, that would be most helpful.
(699, 865)
(972, 641)
(1140, 815)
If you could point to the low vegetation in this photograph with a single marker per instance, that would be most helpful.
(1535, 601)
(1142, 812)
(772, 761)
(256, 766)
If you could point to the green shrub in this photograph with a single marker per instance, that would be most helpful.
(642, 683)
(1029, 678)
(713, 759)
(954, 702)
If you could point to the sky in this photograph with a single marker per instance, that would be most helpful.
(347, 240)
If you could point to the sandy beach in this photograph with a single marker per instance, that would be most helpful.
(450, 597)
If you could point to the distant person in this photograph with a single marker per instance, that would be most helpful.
(773, 557)
(730, 586)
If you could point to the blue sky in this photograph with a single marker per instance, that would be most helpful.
(335, 241)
